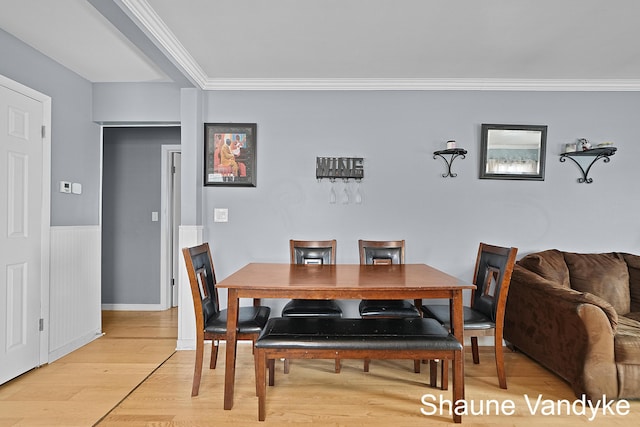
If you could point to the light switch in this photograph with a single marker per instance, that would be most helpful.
(220, 215)
(154, 216)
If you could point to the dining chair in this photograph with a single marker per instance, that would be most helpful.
(485, 316)
(310, 252)
(211, 321)
(384, 252)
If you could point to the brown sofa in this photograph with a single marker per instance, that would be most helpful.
(578, 315)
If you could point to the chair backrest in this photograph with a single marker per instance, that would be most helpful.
(313, 251)
(381, 251)
(202, 279)
(492, 278)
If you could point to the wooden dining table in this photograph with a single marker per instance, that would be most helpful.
(337, 281)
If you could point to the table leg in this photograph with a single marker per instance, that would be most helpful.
(232, 341)
(457, 325)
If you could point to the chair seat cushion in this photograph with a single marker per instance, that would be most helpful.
(250, 320)
(311, 307)
(387, 308)
(350, 334)
(473, 320)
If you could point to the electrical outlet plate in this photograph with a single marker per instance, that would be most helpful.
(220, 215)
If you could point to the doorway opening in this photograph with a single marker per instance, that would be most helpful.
(140, 216)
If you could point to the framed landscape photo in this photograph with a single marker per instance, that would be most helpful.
(230, 154)
(513, 152)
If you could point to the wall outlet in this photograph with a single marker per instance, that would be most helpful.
(221, 215)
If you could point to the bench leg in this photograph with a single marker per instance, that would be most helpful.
(433, 373)
(272, 372)
(338, 366)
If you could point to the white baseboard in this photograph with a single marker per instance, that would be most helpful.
(73, 345)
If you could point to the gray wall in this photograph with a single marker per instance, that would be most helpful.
(131, 192)
(405, 197)
(136, 102)
(396, 132)
(75, 139)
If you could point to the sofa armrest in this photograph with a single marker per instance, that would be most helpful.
(562, 329)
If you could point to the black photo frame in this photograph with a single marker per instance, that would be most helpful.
(230, 154)
(513, 152)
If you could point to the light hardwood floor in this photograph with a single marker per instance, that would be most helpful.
(133, 377)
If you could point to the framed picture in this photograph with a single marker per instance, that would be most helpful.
(230, 154)
(513, 152)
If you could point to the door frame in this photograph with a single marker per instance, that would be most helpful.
(45, 214)
(166, 225)
(165, 186)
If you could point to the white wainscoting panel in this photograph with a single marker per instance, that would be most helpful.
(189, 235)
(75, 288)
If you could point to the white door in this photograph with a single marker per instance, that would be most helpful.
(21, 206)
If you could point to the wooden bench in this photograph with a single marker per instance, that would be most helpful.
(331, 338)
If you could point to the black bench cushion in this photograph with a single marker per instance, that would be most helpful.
(250, 320)
(355, 334)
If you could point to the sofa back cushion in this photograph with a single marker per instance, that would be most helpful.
(604, 275)
(549, 264)
(633, 264)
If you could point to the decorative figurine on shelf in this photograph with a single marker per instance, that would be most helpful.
(586, 145)
(451, 144)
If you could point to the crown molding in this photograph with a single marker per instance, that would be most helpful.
(158, 30)
(425, 84)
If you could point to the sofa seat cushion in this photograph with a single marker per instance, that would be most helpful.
(627, 340)
(549, 264)
(604, 275)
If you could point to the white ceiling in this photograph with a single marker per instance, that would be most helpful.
(339, 44)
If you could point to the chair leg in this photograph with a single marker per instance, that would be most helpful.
(256, 369)
(261, 386)
(445, 375)
(197, 369)
(416, 366)
(214, 355)
(502, 375)
(286, 366)
(338, 366)
(474, 350)
(366, 365)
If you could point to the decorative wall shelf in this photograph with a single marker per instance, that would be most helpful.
(454, 153)
(597, 153)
